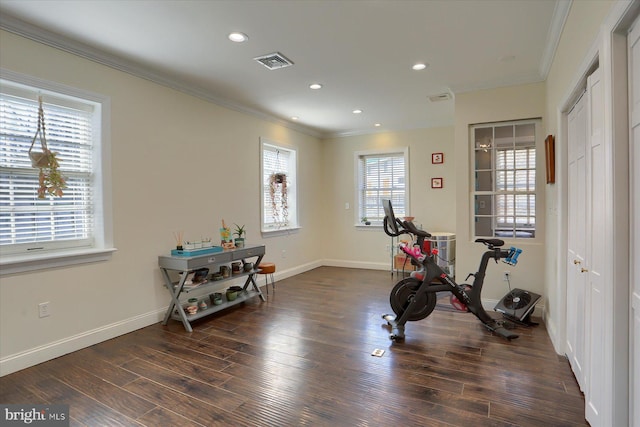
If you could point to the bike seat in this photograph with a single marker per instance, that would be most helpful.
(491, 243)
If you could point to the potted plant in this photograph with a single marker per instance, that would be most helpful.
(239, 232)
(365, 221)
(51, 181)
(278, 195)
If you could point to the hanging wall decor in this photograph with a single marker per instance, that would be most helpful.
(550, 157)
(278, 198)
(51, 181)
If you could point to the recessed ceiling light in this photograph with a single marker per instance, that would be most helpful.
(377, 125)
(238, 37)
(295, 118)
(420, 66)
(357, 111)
(315, 86)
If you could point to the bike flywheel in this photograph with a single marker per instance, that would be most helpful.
(401, 296)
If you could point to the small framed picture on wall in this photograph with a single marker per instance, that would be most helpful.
(436, 183)
(437, 158)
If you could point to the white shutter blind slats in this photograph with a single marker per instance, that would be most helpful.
(275, 160)
(69, 132)
(382, 176)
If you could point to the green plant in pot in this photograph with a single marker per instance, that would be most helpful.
(240, 233)
(51, 182)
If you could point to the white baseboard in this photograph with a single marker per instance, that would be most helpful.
(36, 355)
(356, 264)
(43, 353)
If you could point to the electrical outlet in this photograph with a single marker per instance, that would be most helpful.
(284, 253)
(44, 310)
(387, 248)
(507, 276)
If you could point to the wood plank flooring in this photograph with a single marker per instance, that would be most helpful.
(304, 358)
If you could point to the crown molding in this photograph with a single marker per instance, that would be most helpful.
(17, 26)
(560, 14)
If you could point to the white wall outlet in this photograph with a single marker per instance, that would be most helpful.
(347, 206)
(506, 276)
(44, 310)
(284, 253)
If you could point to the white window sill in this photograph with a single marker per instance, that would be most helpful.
(23, 263)
(280, 231)
(363, 226)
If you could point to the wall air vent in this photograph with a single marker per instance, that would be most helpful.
(274, 61)
(440, 97)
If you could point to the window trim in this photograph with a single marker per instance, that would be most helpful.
(102, 247)
(404, 151)
(294, 223)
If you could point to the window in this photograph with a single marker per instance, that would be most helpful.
(279, 202)
(382, 175)
(32, 228)
(505, 179)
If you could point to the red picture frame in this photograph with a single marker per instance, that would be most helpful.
(437, 158)
(437, 183)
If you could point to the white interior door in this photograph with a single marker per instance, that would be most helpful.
(576, 244)
(599, 293)
(633, 42)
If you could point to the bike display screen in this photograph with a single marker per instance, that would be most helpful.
(389, 215)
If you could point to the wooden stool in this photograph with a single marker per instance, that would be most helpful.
(268, 268)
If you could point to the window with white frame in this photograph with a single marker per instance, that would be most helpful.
(382, 175)
(32, 226)
(279, 198)
(504, 169)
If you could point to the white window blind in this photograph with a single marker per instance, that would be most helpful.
(279, 204)
(505, 179)
(27, 223)
(382, 175)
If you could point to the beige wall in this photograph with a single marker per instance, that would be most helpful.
(509, 103)
(576, 45)
(348, 245)
(181, 163)
(178, 163)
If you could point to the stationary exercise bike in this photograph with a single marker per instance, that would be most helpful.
(414, 298)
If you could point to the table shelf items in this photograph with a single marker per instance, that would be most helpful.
(194, 277)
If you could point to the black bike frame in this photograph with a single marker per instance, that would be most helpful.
(432, 271)
(471, 299)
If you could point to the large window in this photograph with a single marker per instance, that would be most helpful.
(505, 179)
(31, 227)
(382, 175)
(279, 201)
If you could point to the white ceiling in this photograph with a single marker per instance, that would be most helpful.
(360, 51)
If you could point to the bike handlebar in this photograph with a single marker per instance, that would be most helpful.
(406, 227)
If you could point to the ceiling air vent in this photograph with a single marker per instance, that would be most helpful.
(274, 61)
(440, 97)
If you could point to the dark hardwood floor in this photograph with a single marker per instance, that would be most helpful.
(304, 358)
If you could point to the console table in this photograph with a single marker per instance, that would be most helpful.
(187, 264)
